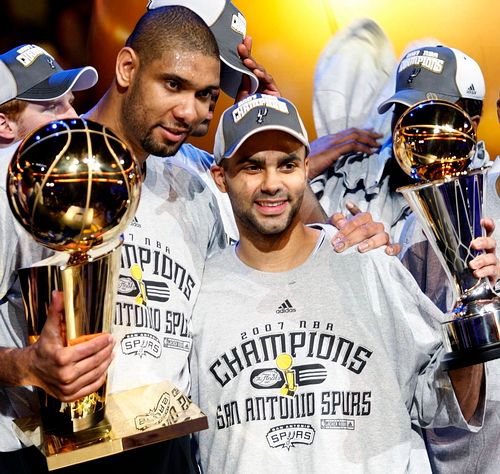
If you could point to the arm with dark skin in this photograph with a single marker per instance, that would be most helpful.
(326, 150)
(65, 372)
(467, 385)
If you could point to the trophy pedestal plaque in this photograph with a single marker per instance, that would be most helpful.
(134, 418)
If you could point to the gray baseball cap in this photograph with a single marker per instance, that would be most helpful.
(254, 114)
(436, 72)
(229, 28)
(28, 72)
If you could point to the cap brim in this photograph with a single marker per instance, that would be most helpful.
(411, 97)
(231, 151)
(232, 74)
(228, 38)
(60, 83)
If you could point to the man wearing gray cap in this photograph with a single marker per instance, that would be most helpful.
(429, 72)
(303, 378)
(34, 90)
(240, 77)
(371, 180)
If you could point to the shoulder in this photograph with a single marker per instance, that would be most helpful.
(175, 174)
(193, 157)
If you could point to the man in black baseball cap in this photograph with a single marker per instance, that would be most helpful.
(35, 89)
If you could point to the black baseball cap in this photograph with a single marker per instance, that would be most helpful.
(229, 28)
(254, 114)
(28, 72)
(436, 72)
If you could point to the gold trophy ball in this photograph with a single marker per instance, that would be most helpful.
(433, 140)
(284, 361)
(73, 185)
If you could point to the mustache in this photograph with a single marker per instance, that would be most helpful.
(178, 127)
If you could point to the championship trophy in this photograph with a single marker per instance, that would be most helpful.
(75, 186)
(434, 142)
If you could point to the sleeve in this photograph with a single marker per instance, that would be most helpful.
(195, 389)
(318, 184)
(12, 328)
(429, 393)
(9, 246)
(433, 403)
(218, 237)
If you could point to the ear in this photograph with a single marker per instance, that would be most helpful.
(127, 63)
(306, 166)
(8, 128)
(219, 177)
(475, 121)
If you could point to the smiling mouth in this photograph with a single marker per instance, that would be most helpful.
(270, 204)
(271, 207)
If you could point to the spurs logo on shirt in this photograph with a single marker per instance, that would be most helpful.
(144, 308)
(291, 369)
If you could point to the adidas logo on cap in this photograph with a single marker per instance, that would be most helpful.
(471, 90)
(286, 307)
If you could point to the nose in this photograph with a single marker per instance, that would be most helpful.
(189, 111)
(271, 182)
(68, 113)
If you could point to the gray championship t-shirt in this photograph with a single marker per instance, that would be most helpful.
(322, 368)
(176, 227)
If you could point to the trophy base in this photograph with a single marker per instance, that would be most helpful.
(473, 338)
(465, 358)
(134, 418)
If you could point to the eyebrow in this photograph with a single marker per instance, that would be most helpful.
(292, 157)
(187, 83)
(289, 158)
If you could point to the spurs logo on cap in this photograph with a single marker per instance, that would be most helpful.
(261, 114)
(252, 102)
(413, 74)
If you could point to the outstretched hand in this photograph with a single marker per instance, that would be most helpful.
(360, 230)
(266, 81)
(326, 150)
(68, 372)
(486, 265)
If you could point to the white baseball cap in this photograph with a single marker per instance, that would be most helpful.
(229, 28)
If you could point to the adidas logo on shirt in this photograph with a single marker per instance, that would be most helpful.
(285, 307)
(471, 90)
(135, 222)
